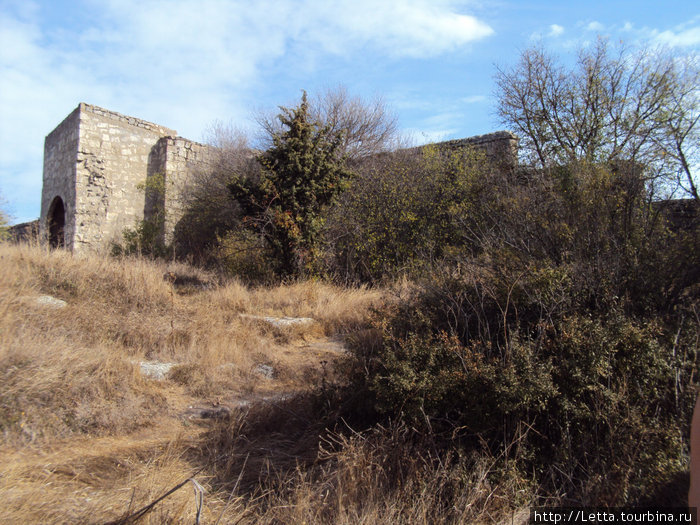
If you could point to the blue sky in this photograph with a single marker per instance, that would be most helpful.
(186, 63)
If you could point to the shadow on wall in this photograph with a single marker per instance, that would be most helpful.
(154, 202)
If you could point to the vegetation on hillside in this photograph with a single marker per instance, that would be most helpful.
(562, 335)
(302, 174)
(528, 337)
(85, 436)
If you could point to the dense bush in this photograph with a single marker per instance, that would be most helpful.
(561, 331)
(259, 210)
(396, 217)
(302, 174)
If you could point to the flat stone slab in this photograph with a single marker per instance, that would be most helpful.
(280, 322)
(328, 345)
(265, 371)
(213, 412)
(48, 301)
(224, 410)
(155, 369)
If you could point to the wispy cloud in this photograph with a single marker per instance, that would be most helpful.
(680, 37)
(595, 26)
(553, 31)
(474, 99)
(556, 30)
(684, 35)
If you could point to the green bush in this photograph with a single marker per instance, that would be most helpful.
(147, 237)
(598, 407)
(560, 331)
(397, 215)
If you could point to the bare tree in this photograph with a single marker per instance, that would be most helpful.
(367, 127)
(210, 209)
(678, 131)
(614, 105)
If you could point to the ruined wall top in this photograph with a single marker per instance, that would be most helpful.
(132, 121)
(499, 146)
(477, 140)
(96, 162)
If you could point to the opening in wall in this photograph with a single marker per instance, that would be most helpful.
(56, 222)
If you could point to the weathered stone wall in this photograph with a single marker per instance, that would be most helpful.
(24, 232)
(97, 161)
(60, 153)
(182, 158)
(111, 166)
(500, 147)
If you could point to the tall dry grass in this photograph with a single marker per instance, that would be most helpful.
(87, 439)
(84, 435)
(310, 473)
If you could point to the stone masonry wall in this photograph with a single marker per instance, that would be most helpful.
(97, 161)
(111, 166)
(60, 153)
(500, 147)
(179, 158)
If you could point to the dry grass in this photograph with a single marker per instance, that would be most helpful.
(70, 376)
(386, 475)
(87, 439)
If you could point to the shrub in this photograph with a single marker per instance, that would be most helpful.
(560, 331)
(302, 174)
(396, 217)
(599, 406)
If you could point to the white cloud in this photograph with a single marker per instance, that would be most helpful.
(400, 28)
(595, 26)
(474, 99)
(680, 38)
(686, 34)
(556, 30)
(429, 136)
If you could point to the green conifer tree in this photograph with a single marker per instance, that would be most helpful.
(303, 172)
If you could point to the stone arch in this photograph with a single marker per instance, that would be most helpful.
(56, 223)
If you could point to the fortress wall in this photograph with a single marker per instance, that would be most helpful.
(500, 147)
(182, 158)
(60, 153)
(113, 161)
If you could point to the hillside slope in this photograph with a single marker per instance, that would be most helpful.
(86, 436)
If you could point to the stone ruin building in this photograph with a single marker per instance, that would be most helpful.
(96, 167)
(97, 163)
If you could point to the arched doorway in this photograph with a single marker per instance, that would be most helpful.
(56, 222)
